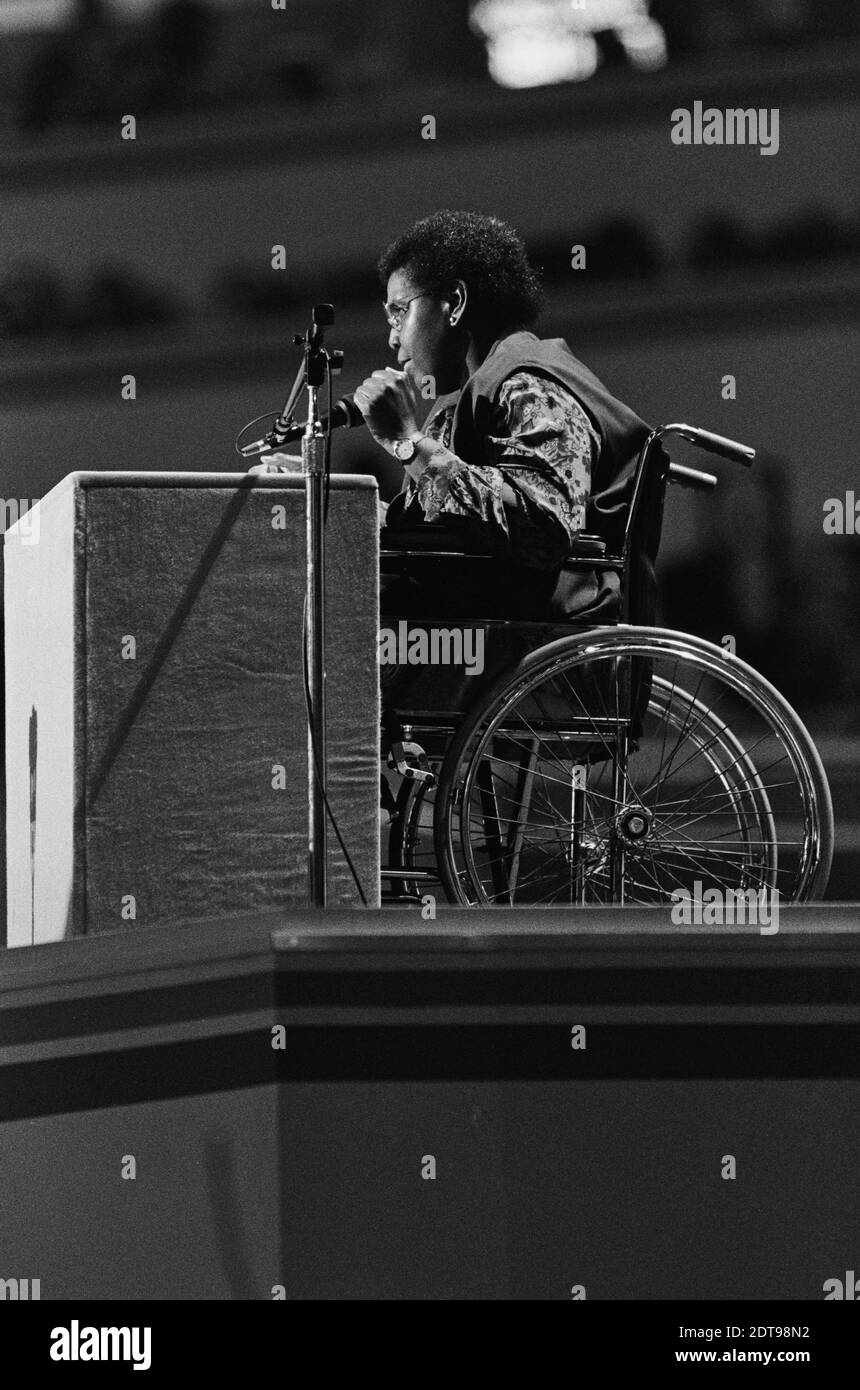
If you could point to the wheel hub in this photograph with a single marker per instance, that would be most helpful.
(633, 825)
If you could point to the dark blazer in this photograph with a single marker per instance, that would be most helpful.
(515, 591)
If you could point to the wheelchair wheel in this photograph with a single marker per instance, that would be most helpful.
(621, 765)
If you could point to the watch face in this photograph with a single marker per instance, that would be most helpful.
(404, 449)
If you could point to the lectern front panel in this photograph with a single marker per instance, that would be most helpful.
(176, 613)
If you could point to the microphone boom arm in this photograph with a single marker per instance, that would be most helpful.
(344, 413)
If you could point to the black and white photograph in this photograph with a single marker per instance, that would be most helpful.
(431, 668)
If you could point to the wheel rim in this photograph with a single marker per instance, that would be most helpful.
(723, 788)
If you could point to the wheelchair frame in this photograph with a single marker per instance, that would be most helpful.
(602, 860)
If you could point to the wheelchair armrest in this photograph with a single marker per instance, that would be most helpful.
(432, 539)
(442, 540)
(446, 541)
(588, 547)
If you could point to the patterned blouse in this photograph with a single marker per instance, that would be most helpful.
(542, 449)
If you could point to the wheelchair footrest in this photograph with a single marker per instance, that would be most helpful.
(410, 760)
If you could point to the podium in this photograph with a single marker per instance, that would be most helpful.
(156, 723)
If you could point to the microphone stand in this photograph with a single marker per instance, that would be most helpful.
(316, 360)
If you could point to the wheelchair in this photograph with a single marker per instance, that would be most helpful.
(616, 764)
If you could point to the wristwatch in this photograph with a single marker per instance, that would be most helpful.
(406, 449)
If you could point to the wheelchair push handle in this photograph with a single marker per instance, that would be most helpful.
(713, 443)
(691, 477)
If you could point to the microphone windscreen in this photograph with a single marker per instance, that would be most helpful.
(347, 412)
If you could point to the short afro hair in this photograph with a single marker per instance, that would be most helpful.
(484, 252)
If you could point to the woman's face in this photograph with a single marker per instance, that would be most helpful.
(425, 343)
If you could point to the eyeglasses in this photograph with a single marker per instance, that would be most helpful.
(394, 317)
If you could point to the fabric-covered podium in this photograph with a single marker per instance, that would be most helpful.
(156, 731)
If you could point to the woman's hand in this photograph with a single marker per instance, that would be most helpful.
(388, 400)
(278, 463)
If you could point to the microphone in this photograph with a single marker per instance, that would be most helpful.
(345, 414)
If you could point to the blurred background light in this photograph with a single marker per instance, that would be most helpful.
(535, 43)
(34, 14)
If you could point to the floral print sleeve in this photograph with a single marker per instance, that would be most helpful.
(533, 488)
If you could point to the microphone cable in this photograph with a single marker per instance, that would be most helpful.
(305, 673)
(273, 414)
(267, 415)
(315, 751)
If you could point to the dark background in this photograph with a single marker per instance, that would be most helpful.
(303, 128)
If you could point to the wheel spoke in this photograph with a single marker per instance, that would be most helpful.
(712, 771)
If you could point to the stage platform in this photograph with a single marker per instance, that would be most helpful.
(496, 1104)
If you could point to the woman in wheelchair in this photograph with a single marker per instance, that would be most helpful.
(523, 448)
(598, 759)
